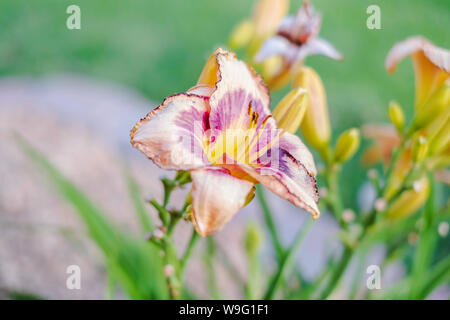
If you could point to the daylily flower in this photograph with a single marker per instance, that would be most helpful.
(432, 69)
(296, 39)
(221, 130)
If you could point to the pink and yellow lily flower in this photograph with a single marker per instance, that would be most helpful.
(222, 131)
(296, 38)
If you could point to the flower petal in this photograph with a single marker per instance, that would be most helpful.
(237, 87)
(171, 135)
(208, 76)
(289, 173)
(317, 46)
(304, 26)
(216, 198)
(276, 45)
(438, 56)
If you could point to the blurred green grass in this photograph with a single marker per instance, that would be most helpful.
(159, 47)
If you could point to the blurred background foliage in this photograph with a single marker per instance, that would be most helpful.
(159, 47)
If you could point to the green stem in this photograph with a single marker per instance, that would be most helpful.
(335, 277)
(164, 215)
(187, 254)
(346, 257)
(171, 259)
(439, 274)
(334, 199)
(253, 283)
(279, 251)
(287, 261)
(427, 240)
(209, 257)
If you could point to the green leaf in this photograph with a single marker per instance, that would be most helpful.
(133, 263)
(141, 212)
(425, 248)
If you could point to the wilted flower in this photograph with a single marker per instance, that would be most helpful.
(385, 138)
(432, 69)
(222, 131)
(296, 39)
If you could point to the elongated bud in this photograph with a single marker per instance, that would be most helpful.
(241, 35)
(268, 14)
(396, 116)
(315, 126)
(400, 171)
(419, 149)
(290, 111)
(347, 145)
(434, 107)
(253, 239)
(410, 200)
(441, 141)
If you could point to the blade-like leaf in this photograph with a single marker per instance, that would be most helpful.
(134, 264)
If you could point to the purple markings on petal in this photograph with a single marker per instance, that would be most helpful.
(193, 124)
(232, 107)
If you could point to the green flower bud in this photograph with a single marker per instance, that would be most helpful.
(241, 35)
(409, 201)
(434, 108)
(291, 109)
(419, 149)
(253, 239)
(396, 115)
(347, 145)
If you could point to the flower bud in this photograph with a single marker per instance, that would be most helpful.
(396, 115)
(241, 35)
(434, 127)
(268, 14)
(400, 171)
(315, 126)
(410, 200)
(419, 149)
(291, 109)
(441, 140)
(434, 107)
(347, 145)
(253, 239)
